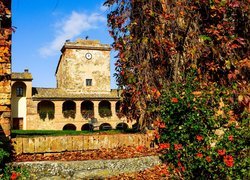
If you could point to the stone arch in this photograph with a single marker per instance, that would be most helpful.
(18, 89)
(105, 126)
(87, 109)
(122, 126)
(104, 108)
(69, 127)
(45, 105)
(87, 127)
(69, 109)
(46, 108)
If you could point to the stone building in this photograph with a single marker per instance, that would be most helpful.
(82, 99)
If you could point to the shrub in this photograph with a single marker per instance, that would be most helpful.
(42, 115)
(105, 112)
(51, 115)
(69, 113)
(199, 134)
(14, 173)
(88, 114)
(3, 153)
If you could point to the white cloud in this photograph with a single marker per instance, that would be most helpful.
(71, 27)
(103, 8)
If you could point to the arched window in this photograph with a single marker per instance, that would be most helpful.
(46, 108)
(69, 127)
(105, 126)
(122, 126)
(69, 109)
(105, 109)
(87, 109)
(19, 89)
(87, 127)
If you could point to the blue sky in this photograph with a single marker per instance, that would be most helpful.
(42, 28)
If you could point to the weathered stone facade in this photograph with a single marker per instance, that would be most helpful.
(82, 100)
(5, 66)
(75, 67)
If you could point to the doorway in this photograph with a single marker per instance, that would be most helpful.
(17, 123)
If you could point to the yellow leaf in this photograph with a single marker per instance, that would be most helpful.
(7, 11)
(197, 93)
(219, 113)
(240, 98)
(221, 103)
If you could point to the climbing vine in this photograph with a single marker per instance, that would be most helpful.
(5, 65)
(157, 40)
(184, 66)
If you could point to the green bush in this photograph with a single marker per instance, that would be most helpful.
(69, 113)
(87, 114)
(105, 112)
(3, 153)
(199, 136)
(14, 173)
(51, 115)
(42, 115)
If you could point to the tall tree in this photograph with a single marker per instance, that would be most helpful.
(157, 40)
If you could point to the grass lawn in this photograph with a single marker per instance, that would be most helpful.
(15, 133)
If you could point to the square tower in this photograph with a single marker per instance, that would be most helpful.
(84, 67)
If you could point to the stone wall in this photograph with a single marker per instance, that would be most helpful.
(48, 144)
(5, 66)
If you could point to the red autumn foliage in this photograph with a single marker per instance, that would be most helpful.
(14, 176)
(177, 147)
(230, 138)
(221, 152)
(164, 145)
(199, 138)
(208, 159)
(199, 155)
(117, 153)
(228, 160)
(174, 100)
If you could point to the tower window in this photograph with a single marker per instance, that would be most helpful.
(19, 91)
(88, 82)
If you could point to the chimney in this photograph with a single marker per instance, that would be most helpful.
(26, 70)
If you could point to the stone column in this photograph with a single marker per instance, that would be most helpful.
(58, 109)
(96, 111)
(78, 110)
(113, 103)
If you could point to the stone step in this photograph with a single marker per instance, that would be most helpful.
(96, 169)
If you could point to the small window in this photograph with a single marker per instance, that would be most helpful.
(88, 82)
(19, 91)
